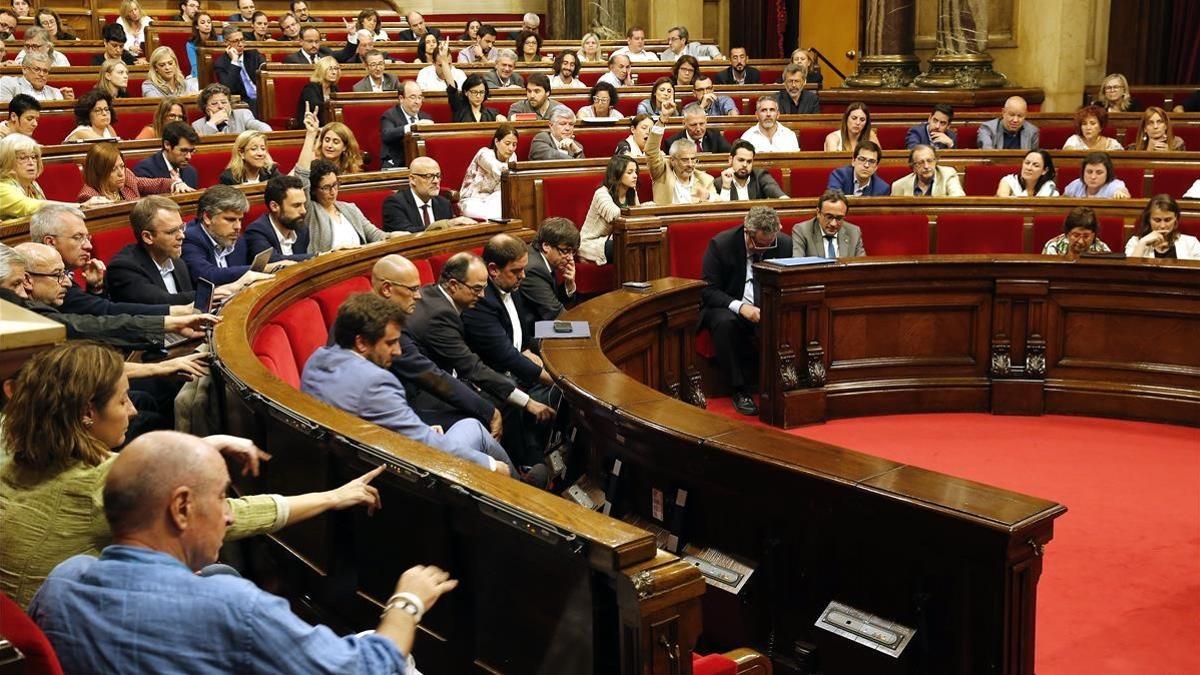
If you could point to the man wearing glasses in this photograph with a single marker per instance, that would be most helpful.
(377, 78)
(397, 121)
(927, 178)
(551, 256)
(729, 302)
(421, 207)
(676, 180)
(828, 235)
(35, 71)
(39, 41)
(238, 67)
(859, 178)
(179, 141)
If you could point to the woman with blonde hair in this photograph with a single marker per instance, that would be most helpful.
(106, 175)
(164, 77)
(169, 110)
(589, 49)
(130, 17)
(807, 58)
(856, 125)
(20, 166)
(1114, 96)
(114, 78)
(321, 85)
(250, 161)
(69, 410)
(1155, 134)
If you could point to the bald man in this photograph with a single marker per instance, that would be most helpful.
(1010, 131)
(436, 396)
(416, 28)
(420, 207)
(140, 605)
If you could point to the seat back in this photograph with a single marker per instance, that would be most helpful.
(61, 181)
(983, 179)
(305, 328)
(1174, 181)
(687, 242)
(24, 634)
(370, 203)
(364, 118)
(1046, 227)
(980, 233)
(894, 234)
(330, 298)
(272, 348)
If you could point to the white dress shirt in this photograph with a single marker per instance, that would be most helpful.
(287, 238)
(784, 139)
(167, 272)
(511, 307)
(218, 253)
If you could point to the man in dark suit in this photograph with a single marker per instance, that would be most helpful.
(860, 178)
(416, 28)
(281, 227)
(420, 207)
(552, 254)
(212, 248)
(795, 99)
(729, 301)
(695, 129)
(434, 394)
(238, 67)
(936, 132)
(245, 12)
(738, 72)
(396, 122)
(179, 141)
(356, 48)
(740, 180)
(310, 48)
(150, 270)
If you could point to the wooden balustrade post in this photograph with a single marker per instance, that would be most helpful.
(1018, 349)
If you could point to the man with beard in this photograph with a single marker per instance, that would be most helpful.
(212, 247)
(179, 141)
(282, 227)
(740, 180)
(738, 72)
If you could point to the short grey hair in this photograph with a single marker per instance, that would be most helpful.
(9, 258)
(681, 145)
(37, 57)
(560, 111)
(532, 19)
(682, 31)
(38, 32)
(694, 108)
(506, 53)
(762, 219)
(48, 221)
(219, 199)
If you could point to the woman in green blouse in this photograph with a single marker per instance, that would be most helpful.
(69, 409)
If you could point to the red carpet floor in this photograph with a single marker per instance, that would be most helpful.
(1120, 591)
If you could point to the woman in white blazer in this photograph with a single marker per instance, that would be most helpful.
(1159, 235)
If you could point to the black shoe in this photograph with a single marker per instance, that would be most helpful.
(535, 475)
(744, 403)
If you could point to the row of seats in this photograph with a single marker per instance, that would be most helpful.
(132, 117)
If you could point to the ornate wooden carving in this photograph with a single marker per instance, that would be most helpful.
(694, 391)
(1035, 357)
(787, 368)
(816, 365)
(1001, 361)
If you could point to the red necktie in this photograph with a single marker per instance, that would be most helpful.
(425, 214)
(698, 147)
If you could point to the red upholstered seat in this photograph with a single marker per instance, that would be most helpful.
(1186, 226)
(704, 344)
(1174, 180)
(370, 202)
(713, 664)
(425, 271)
(438, 259)
(176, 39)
(305, 329)
(893, 172)
(106, 243)
(979, 233)
(570, 195)
(454, 153)
(1190, 135)
(61, 181)
(363, 117)
(983, 179)
(967, 136)
(131, 122)
(24, 634)
(272, 348)
(600, 142)
(891, 136)
(1047, 227)
(209, 163)
(686, 243)
(591, 278)
(894, 234)
(1053, 136)
(810, 181)
(328, 299)
(813, 138)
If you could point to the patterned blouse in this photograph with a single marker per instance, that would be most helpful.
(135, 187)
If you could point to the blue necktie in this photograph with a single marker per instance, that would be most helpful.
(251, 89)
(829, 251)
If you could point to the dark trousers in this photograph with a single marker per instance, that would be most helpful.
(736, 342)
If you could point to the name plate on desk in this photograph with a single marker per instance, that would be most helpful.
(719, 569)
(865, 629)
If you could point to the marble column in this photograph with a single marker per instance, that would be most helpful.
(961, 59)
(887, 58)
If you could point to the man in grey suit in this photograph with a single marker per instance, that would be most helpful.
(828, 235)
(377, 78)
(742, 181)
(558, 142)
(502, 74)
(1010, 131)
(552, 254)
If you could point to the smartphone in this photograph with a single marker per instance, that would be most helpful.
(562, 326)
(204, 295)
(261, 260)
(637, 285)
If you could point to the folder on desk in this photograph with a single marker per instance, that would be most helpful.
(804, 260)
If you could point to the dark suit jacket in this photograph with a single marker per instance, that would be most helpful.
(724, 267)
(426, 384)
(348, 54)
(230, 75)
(407, 34)
(438, 329)
(155, 166)
(842, 178)
(126, 56)
(490, 335)
(726, 76)
(393, 127)
(400, 212)
(541, 292)
(809, 103)
(299, 56)
(919, 135)
(201, 257)
(314, 96)
(713, 141)
(133, 277)
(79, 301)
(261, 236)
(760, 185)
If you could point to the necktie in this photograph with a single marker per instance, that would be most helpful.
(699, 147)
(829, 250)
(425, 215)
(251, 89)
(733, 192)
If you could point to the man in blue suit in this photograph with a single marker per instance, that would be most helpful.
(859, 178)
(352, 374)
(212, 248)
(282, 227)
(935, 132)
(179, 141)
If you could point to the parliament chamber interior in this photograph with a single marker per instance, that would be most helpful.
(702, 336)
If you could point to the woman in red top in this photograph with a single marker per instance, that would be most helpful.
(105, 175)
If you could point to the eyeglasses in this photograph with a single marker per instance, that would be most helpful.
(832, 218)
(477, 289)
(411, 289)
(476, 92)
(332, 187)
(40, 70)
(61, 275)
(427, 176)
(105, 110)
(565, 250)
(26, 157)
(78, 238)
(866, 161)
(601, 99)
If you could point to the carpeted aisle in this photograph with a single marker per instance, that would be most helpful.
(1120, 591)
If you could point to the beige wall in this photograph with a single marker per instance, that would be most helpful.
(481, 6)
(1059, 46)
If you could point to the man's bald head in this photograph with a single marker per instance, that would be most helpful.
(396, 279)
(43, 263)
(425, 176)
(149, 472)
(1015, 110)
(35, 252)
